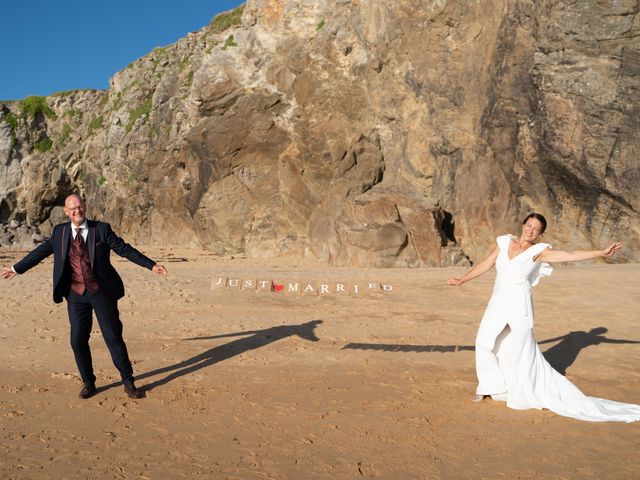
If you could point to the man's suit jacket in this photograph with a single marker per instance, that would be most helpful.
(100, 241)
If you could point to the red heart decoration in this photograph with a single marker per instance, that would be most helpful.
(277, 288)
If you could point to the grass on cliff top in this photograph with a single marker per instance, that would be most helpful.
(67, 93)
(144, 109)
(94, 124)
(227, 19)
(73, 113)
(12, 120)
(229, 42)
(32, 106)
(66, 133)
(44, 145)
(159, 53)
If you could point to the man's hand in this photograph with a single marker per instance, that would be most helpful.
(7, 273)
(454, 282)
(160, 270)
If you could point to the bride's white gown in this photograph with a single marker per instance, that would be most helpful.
(509, 363)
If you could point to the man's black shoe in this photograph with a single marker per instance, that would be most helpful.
(133, 392)
(87, 391)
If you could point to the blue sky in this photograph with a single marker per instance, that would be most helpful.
(53, 45)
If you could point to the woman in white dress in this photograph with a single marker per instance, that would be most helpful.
(509, 363)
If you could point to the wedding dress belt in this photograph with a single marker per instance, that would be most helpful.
(512, 281)
(519, 291)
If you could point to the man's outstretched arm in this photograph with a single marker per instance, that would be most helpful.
(119, 246)
(38, 254)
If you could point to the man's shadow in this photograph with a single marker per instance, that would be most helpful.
(254, 339)
(560, 356)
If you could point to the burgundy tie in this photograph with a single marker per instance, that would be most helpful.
(79, 238)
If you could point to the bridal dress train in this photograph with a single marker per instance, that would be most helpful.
(509, 363)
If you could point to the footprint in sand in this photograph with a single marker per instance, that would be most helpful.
(15, 413)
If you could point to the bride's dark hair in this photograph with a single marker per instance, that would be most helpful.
(538, 217)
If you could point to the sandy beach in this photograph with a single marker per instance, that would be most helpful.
(247, 385)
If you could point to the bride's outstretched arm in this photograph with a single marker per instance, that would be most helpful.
(550, 255)
(483, 267)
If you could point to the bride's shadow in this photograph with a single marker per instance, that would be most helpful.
(560, 356)
(252, 339)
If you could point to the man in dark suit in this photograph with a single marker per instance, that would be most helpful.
(84, 276)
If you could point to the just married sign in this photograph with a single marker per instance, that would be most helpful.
(299, 287)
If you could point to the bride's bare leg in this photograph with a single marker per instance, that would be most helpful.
(490, 379)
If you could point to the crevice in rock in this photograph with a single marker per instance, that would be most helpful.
(5, 211)
(447, 227)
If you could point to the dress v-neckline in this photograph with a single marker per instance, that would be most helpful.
(515, 256)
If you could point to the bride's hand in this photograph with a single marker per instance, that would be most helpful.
(454, 282)
(612, 249)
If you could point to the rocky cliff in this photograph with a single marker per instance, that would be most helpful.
(396, 133)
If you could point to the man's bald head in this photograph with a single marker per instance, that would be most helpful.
(74, 209)
(72, 199)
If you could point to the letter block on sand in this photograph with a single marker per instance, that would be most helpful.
(248, 287)
(309, 289)
(341, 288)
(292, 288)
(263, 286)
(373, 288)
(218, 282)
(357, 289)
(324, 288)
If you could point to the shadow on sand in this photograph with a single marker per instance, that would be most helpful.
(561, 356)
(391, 347)
(252, 339)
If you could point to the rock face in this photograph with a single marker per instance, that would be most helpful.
(360, 132)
